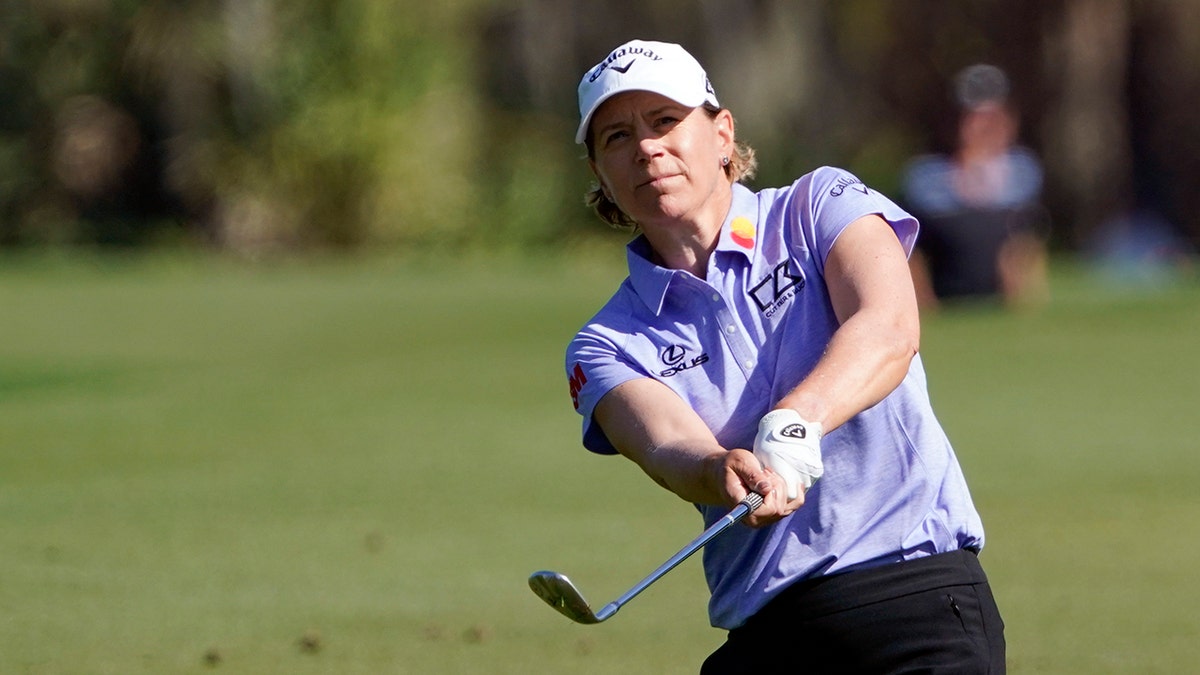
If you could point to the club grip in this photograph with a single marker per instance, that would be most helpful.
(752, 501)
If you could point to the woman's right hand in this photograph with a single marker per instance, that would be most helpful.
(742, 473)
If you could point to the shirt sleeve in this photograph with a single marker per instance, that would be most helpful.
(595, 365)
(837, 198)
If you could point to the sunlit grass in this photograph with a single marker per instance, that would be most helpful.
(351, 466)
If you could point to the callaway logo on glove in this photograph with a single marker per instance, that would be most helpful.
(791, 447)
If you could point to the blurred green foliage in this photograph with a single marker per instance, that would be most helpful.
(259, 125)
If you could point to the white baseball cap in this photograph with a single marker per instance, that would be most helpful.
(660, 67)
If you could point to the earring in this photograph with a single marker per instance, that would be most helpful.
(725, 161)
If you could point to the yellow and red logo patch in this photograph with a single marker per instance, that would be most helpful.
(741, 230)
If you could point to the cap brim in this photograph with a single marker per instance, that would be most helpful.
(660, 88)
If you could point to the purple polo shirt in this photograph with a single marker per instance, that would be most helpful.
(733, 344)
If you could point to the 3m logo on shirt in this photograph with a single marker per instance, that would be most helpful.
(677, 360)
(771, 293)
(576, 380)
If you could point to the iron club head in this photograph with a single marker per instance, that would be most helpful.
(558, 592)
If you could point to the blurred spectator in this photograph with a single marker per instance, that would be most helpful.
(982, 222)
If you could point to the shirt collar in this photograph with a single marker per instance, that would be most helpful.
(739, 235)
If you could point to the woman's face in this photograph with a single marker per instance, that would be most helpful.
(659, 161)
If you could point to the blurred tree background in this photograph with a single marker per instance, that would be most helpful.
(262, 125)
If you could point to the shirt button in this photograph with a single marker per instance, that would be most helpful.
(716, 297)
(731, 329)
(749, 365)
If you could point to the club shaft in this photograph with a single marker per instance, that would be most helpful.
(746, 506)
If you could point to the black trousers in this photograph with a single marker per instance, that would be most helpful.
(929, 615)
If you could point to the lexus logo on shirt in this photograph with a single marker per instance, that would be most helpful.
(675, 357)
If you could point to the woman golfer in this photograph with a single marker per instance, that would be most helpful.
(763, 340)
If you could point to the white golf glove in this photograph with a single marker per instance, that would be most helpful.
(791, 447)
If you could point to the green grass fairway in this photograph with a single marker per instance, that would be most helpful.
(352, 467)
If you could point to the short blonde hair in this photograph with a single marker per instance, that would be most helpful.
(742, 166)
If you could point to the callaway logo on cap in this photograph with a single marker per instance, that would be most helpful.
(660, 67)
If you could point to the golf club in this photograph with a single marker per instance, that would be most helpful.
(558, 591)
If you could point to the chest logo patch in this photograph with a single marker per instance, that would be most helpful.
(742, 232)
(780, 286)
(675, 358)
